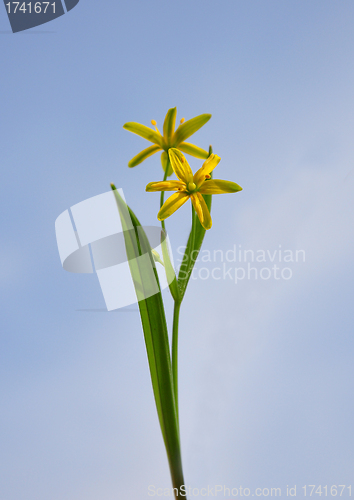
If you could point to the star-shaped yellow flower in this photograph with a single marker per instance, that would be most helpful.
(191, 186)
(170, 138)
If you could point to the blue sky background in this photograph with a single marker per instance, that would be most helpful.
(266, 367)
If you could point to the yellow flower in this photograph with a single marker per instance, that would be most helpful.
(191, 186)
(170, 138)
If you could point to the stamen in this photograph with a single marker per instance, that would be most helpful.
(153, 122)
(182, 121)
(207, 176)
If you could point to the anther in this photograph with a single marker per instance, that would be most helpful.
(182, 120)
(207, 176)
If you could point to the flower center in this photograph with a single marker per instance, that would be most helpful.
(191, 186)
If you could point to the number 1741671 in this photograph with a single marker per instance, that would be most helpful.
(35, 7)
(333, 491)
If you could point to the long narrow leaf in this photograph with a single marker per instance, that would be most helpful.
(155, 332)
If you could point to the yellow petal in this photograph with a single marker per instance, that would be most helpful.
(180, 165)
(192, 150)
(169, 125)
(145, 132)
(166, 161)
(172, 204)
(143, 155)
(189, 127)
(165, 186)
(207, 167)
(202, 210)
(217, 186)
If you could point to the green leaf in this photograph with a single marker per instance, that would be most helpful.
(190, 127)
(156, 337)
(145, 132)
(143, 155)
(192, 150)
(169, 125)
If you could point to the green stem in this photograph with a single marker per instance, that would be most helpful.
(175, 354)
(176, 311)
(170, 272)
(162, 197)
(175, 319)
(193, 232)
(177, 306)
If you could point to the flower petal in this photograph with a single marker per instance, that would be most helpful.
(180, 165)
(192, 150)
(143, 155)
(172, 204)
(164, 162)
(169, 125)
(202, 210)
(165, 186)
(145, 132)
(190, 127)
(207, 167)
(217, 186)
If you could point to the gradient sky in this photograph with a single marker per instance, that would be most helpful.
(266, 366)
